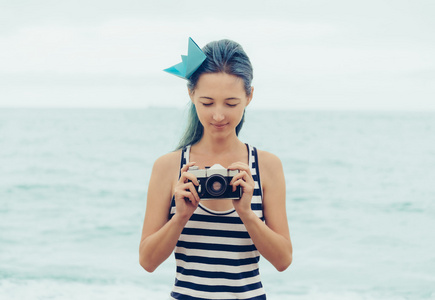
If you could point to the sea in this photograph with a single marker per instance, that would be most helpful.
(360, 189)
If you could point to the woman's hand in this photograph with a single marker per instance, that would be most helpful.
(246, 182)
(186, 197)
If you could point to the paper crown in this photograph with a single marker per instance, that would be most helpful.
(195, 57)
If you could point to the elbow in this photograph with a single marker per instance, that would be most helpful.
(149, 269)
(283, 264)
(145, 260)
(146, 265)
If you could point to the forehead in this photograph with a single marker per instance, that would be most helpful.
(219, 83)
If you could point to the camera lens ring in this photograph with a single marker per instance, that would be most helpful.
(211, 181)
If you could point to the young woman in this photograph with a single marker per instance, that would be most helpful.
(217, 243)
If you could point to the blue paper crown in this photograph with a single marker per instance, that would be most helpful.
(195, 57)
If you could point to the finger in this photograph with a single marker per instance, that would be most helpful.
(243, 184)
(187, 196)
(240, 166)
(237, 183)
(190, 188)
(236, 177)
(242, 175)
(186, 176)
(187, 187)
(187, 166)
(193, 191)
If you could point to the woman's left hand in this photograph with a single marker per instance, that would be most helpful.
(246, 182)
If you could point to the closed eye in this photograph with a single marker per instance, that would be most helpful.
(207, 104)
(231, 105)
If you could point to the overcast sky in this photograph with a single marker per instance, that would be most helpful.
(358, 55)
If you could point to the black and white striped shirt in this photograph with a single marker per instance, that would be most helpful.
(215, 256)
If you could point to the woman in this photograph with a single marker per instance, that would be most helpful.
(217, 242)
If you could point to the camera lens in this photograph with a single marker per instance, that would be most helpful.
(216, 185)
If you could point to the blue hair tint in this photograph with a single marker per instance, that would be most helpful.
(224, 56)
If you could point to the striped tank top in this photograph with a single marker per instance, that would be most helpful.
(215, 256)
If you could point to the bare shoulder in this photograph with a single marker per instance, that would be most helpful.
(271, 171)
(164, 175)
(168, 161)
(168, 164)
(160, 192)
(269, 162)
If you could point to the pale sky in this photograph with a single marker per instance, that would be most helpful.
(353, 55)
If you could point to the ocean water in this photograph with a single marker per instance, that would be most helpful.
(360, 202)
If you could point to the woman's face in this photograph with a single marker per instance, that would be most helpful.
(220, 100)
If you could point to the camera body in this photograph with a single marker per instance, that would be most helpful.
(214, 183)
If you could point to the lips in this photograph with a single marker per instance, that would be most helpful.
(219, 126)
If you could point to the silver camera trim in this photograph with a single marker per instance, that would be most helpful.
(216, 169)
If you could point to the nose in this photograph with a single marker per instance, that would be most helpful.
(218, 116)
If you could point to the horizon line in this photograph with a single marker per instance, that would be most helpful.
(306, 109)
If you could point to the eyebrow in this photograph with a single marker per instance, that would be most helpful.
(209, 98)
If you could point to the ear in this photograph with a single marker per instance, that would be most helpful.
(249, 98)
(191, 92)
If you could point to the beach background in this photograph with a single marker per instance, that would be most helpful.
(360, 202)
(344, 95)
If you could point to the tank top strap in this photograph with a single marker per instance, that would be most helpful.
(255, 171)
(185, 153)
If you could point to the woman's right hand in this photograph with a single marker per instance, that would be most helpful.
(186, 197)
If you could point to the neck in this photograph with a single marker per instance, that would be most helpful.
(216, 146)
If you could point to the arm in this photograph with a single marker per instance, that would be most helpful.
(272, 239)
(160, 235)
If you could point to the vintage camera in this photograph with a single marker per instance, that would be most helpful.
(214, 183)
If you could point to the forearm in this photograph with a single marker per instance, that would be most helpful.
(272, 246)
(157, 247)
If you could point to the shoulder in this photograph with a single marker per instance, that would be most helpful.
(165, 172)
(271, 171)
(269, 162)
(168, 164)
(168, 161)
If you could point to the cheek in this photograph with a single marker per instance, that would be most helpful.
(234, 115)
(239, 115)
(201, 113)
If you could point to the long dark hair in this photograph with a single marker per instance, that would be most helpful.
(224, 56)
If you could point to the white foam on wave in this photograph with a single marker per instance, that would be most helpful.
(57, 290)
